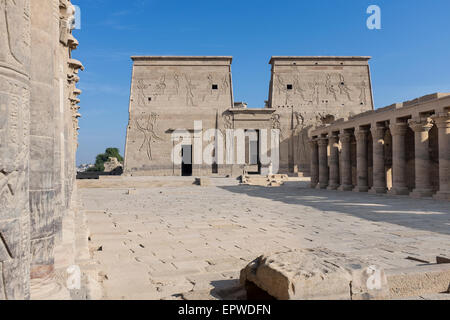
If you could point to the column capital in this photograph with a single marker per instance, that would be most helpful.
(420, 124)
(313, 142)
(333, 138)
(398, 129)
(361, 134)
(442, 120)
(345, 137)
(378, 132)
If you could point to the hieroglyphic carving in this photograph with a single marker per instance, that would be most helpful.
(176, 78)
(363, 94)
(14, 149)
(148, 129)
(343, 88)
(330, 87)
(298, 88)
(161, 85)
(141, 87)
(14, 35)
(315, 95)
(225, 85)
(189, 92)
(281, 86)
(276, 123)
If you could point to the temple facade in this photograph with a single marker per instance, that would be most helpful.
(170, 94)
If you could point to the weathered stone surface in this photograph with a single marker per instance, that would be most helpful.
(418, 281)
(315, 274)
(14, 148)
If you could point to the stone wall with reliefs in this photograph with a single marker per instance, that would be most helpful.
(170, 93)
(15, 53)
(307, 91)
(38, 138)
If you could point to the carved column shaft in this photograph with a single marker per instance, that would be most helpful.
(14, 149)
(379, 173)
(334, 162)
(398, 133)
(42, 135)
(421, 128)
(443, 123)
(323, 163)
(361, 161)
(346, 162)
(314, 163)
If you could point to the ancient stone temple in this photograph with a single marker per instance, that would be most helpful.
(38, 138)
(307, 91)
(175, 93)
(403, 149)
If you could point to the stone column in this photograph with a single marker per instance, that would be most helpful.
(346, 162)
(361, 161)
(42, 139)
(334, 162)
(323, 163)
(379, 168)
(421, 128)
(398, 133)
(314, 163)
(14, 149)
(442, 121)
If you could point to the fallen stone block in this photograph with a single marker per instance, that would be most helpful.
(313, 274)
(203, 182)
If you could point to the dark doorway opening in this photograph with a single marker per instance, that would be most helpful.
(186, 164)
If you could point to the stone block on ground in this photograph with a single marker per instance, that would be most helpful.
(314, 274)
(202, 182)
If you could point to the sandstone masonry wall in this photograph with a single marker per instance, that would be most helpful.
(38, 132)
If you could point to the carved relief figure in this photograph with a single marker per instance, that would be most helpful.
(300, 121)
(276, 123)
(362, 95)
(176, 78)
(343, 88)
(280, 84)
(148, 129)
(189, 92)
(13, 37)
(330, 88)
(225, 85)
(161, 86)
(228, 121)
(315, 96)
(141, 86)
(298, 89)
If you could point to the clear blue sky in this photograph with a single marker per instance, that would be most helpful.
(411, 54)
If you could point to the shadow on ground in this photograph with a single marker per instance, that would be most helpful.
(421, 214)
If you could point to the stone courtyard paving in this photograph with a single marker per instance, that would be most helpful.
(191, 242)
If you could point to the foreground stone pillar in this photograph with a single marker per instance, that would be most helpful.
(361, 161)
(442, 121)
(334, 162)
(421, 128)
(314, 163)
(14, 149)
(346, 162)
(379, 170)
(323, 163)
(398, 133)
(42, 137)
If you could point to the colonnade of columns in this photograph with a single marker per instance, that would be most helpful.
(331, 158)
